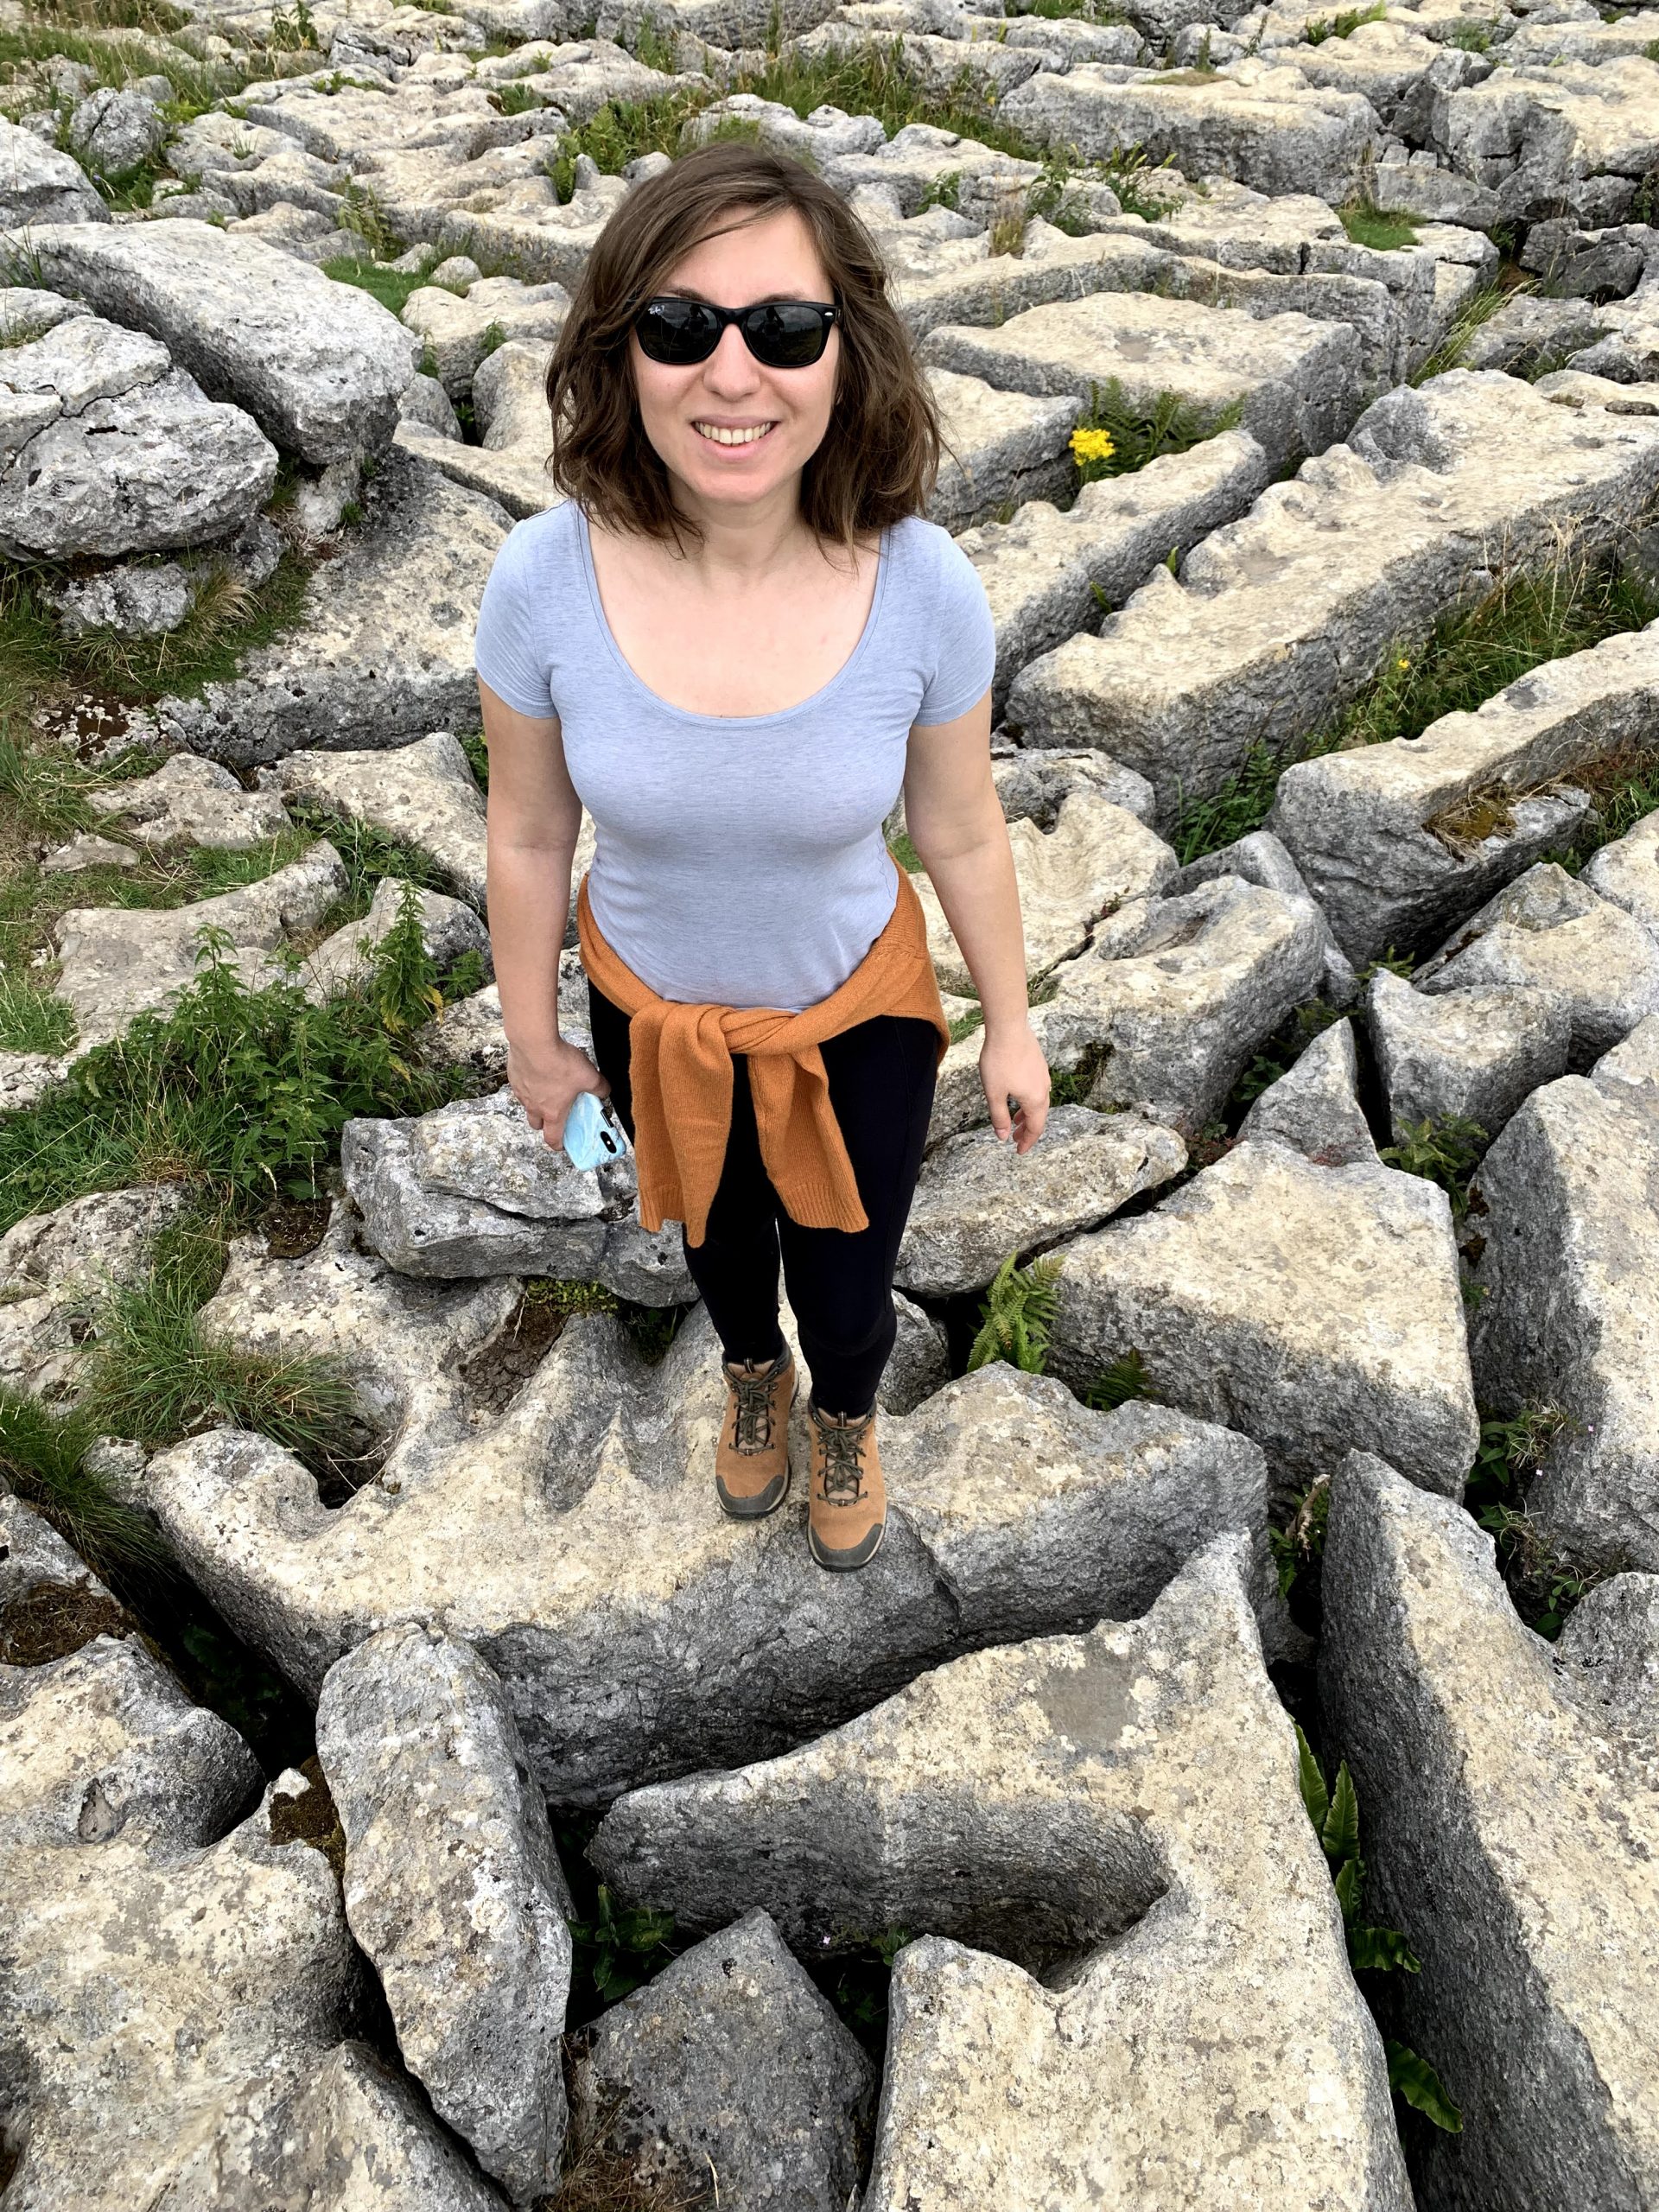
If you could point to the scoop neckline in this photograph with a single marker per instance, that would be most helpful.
(883, 563)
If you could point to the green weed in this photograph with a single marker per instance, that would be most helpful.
(1472, 38)
(904, 853)
(32, 1018)
(1297, 1546)
(391, 287)
(616, 1951)
(1544, 1586)
(1116, 1384)
(1446, 1151)
(1143, 187)
(1368, 225)
(621, 131)
(1016, 1313)
(1138, 434)
(1477, 310)
(364, 213)
(1342, 24)
(1088, 11)
(1334, 1812)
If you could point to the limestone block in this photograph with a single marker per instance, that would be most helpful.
(1401, 842)
(1263, 126)
(189, 801)
(1004, 447)
(1034, 785)
(454, 1889)
(138, 600)
(458, 331)
(1293, 383)
(729, 2059)
(1278, 619)
(1314, 1307)
(319, 365)
(43, 185)
(1097, 856)
(116, 130)
(977, 1202)
(1627, 873)
(382, 650)
(1510, 1828)
(1550, 932)
(1315, 1107)
(1472, 1054)
(51, 1263)
(1261, 858)
(574, 1540)
(1108, 1809)
(1550, 141)
(821, 136)
(424, 794)
(1570, 1315)
(1046, 572)
(919, 156)
(1175, 994)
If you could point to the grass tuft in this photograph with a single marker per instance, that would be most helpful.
(1366, 225)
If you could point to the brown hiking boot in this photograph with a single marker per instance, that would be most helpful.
(752, 1458)
(847, 1503)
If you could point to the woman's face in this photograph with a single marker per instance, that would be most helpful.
(732, 430)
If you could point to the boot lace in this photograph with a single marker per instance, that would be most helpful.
(753, 1424)
(843, 1479)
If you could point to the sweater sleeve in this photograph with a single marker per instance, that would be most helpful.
(965, 638)
(505, 650)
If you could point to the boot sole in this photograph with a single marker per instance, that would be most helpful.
(756, 1508)
(855, 1556)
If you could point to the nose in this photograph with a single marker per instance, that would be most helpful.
(730, 369)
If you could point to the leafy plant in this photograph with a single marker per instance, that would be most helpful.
(363, 213)
(1115, 1385)
(1334, 1811)
(1544, 1586)
(1303, 1541)
(616, 1951)
(1446, 1150)
(1016, 1315)
(1133, 434)
(1342, 24)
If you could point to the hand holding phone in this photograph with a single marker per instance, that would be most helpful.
(592, 1134)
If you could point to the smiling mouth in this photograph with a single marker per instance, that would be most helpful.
(717, 434)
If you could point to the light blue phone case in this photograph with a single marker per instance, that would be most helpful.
(593, 1135)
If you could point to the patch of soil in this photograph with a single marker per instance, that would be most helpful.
(294, 1227)
(499, 1371)
(53, 1619)
(311, 1818)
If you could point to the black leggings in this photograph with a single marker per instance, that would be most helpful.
(840, 1280)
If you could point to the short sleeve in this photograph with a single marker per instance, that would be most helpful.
(504, 651)
(966, 640)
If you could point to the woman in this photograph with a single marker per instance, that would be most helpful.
(733, 643)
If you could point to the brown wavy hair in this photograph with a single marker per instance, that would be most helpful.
(879, 456)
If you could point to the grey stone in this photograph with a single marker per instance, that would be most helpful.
(43, 185)
(423, 795)
(824, 135)
(1315, 1107)
(427, 405)
(1034, 785)
(382, 650)
(1571, 1306)
(1260, 858)
(114, 130)
(921, 157)
(456, 272)
(473, 1190)
(1570, 138)
(1401, 842)
(1550, 932)
(1627, 873)
(1292, 383)
(460, 332)
(730, 2062)
(1528, 335)
(1046, 572)
(84, 851)
(920, 1361)
(977, 1202)
(137, 601)
(1278, 619)
(454, 1889)
(1003, 447)
(117, 961)
(319, 365)
(1472, 1054)
(1069, 1804)
(575, 1538)
(131, 458)
(52, 1265)
(190, 801)
(47, 1589)
(1611, 1644)
(1313, 1307)
(1510, 1829)
(26, 313)
(357, 2138)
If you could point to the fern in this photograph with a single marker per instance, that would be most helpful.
(1015, 1316)
(1115, 1385)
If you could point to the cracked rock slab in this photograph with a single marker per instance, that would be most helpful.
(454, 1889)
(1315, 1308)
(1118, 1811)
(977, 1201)
(1570, 1315)
(423, 795)
(1472, 1054)
(39, 184)
(730, 2060)
(1314, 1106)
(576, 1539)
(319, 365)
(1279, 620)
(1550, 932)
(187, 802)
(52, 1264)
(1627, 873)
(1511, 1826)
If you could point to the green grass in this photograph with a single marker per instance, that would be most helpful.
(621, 131)
(1141, 434)
(1143, 186)
(1368, 225)
(1089, 11)
(1342, 24)
(1474, 653)
(1472, 38)
(1478, 310)
(391, 287)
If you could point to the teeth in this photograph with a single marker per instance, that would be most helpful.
(723, 437)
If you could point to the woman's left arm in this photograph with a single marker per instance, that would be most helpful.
(955, 822)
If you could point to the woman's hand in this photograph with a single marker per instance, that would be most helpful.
(545, 1083)
(1012, 1067)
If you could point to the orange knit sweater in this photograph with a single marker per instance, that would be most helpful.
(680, 1064)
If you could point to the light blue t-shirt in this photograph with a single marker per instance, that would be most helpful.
(740, 859)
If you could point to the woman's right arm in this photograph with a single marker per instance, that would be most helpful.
(531, 820)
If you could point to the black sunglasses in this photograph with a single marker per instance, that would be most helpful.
(780, 333)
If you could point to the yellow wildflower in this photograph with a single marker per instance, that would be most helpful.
(1402, 663)
(1091, 445)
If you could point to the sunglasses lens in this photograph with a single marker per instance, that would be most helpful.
(678, 331)
(787, 333)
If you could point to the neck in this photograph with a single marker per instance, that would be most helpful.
(741, 545)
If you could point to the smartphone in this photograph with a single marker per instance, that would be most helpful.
(593, 1135)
